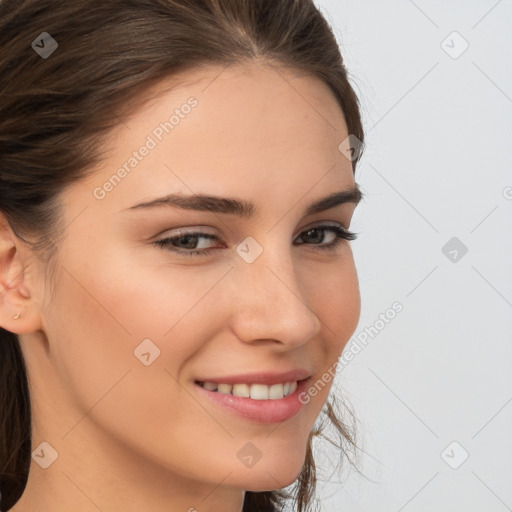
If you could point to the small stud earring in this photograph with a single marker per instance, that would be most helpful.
(16, 316)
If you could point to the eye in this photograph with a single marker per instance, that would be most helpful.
(190, 239)
(318, 232)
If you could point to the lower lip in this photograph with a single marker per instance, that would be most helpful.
(262, 411)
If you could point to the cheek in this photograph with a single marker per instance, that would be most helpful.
(335, 298)
(91, 344)
(347, 310)
(151, 297)
(109, 311)
(97, 320)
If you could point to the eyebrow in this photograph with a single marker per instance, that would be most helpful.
(243, 208)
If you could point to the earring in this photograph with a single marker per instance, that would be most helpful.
(16, 316)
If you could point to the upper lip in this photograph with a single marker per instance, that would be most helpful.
(260, 377)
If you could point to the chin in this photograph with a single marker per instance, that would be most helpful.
(274, 481)
(275, 474)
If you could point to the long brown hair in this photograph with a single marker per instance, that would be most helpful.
(56, 109)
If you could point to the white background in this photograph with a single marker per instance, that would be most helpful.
(437, 164)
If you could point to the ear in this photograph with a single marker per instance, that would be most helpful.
(16, 289)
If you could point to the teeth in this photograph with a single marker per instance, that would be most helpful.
(224, 388)
(276, 391)
(210, 386)
(254, 391)
(260, 392)
(241, 390)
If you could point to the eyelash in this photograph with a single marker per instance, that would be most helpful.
(340, 232)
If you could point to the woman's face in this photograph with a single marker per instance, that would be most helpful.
(132, 323)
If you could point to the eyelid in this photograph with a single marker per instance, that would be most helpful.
(341, 234)
(202, 232)
(182, 231)
(325, 223)
(173, 232)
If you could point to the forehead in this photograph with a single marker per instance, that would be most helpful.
(249, 130)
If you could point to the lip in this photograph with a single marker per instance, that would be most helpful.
(260, 411)
(267, 378)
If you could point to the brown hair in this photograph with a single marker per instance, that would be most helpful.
(56, 111)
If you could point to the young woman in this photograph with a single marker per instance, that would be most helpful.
(177, 282)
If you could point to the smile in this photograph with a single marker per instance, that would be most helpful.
(254, 391)
(258, 402)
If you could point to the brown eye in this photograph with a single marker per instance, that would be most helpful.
(186, 241)
(189, 239)
(318, 232)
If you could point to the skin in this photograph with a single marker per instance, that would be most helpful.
(132, 437)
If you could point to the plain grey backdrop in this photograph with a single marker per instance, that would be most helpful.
(432, 386)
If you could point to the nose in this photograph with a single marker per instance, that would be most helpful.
(270, 304)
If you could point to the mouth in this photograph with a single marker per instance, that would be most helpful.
(256, 391)
(255, 401)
